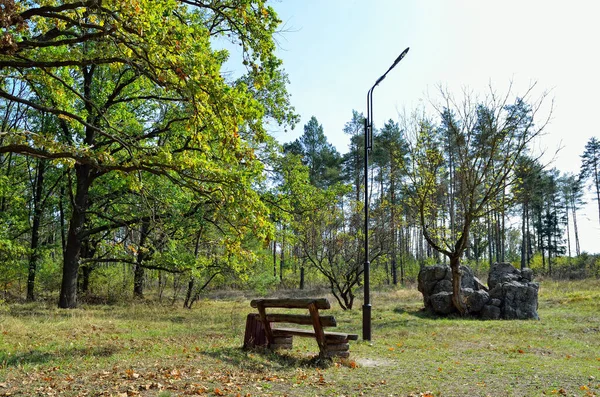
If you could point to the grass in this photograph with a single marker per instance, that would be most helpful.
(150, 350)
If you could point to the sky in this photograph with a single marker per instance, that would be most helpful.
(334, 51)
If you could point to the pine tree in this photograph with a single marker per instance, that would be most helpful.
(590, 166)
(321, 157)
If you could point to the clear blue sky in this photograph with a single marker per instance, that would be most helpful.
(334, 50)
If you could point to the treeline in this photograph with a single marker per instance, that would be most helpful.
(465, 187)
(129, 165)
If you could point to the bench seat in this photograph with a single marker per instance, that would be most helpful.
(329, 336)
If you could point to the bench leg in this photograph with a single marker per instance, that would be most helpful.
(255, 332)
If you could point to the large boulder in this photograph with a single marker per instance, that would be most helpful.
(490, 312)
(429, 276)
(511, 295)
(519, 299)
(475, 300)
(502, 272)
(435, 283)
(441, 303)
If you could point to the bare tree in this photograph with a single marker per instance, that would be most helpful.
(488, 136)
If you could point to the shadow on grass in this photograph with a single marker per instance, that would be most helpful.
(420, 313)
(32, 310)
(36, 357)
(423, 314)
(31, 357)
(260, 359)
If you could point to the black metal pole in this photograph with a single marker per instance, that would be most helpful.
(367, 265)
(368, 145)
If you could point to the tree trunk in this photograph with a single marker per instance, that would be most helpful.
(88, 250)
(61, 210)
(302, 276)
(138, 274)
(187, 304)
(568, 232)
(162, 283)
(523, 237)
(3, 200)
(274, 258)
(35, 229)
(80, 204)
(393, 227)
(529, 247)
(457, 297)
(575, 230)
(68, 289)
(503, 232)
(282, 254)
(490, 240)
(86, 271)
(597, 184)
(497, 236)
(549, 237)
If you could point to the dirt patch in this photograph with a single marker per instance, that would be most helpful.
(371, 362)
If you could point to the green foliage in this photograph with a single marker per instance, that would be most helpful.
(263, 282)
(567, 268)
(49, 273)
(321, 157)
(144, 124)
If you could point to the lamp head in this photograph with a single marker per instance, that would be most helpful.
(400, 56)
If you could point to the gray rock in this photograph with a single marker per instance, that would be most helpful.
(496, 293)
(502, 272)
(440, 272)
(480, 285)
(427, 287)
(527, 274)
(496, 302)
(441, 303)
(443, 286)
(468, 278)
(427, 279)
(520, 300)
(490, 312)
(475, 300)
(426, 284)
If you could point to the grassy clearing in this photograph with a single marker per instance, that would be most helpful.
(150, 350)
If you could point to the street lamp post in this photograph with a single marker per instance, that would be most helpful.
(368, 146)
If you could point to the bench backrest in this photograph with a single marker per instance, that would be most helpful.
(292, 303)
(314, 319)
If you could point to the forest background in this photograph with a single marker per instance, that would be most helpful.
(137, 157)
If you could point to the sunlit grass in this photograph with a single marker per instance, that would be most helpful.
(150, 349)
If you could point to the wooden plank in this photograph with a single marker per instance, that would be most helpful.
(309, 333)
(326, 321)
(292, 303)
(336, 341)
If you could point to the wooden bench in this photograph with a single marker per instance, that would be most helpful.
(330, 343)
